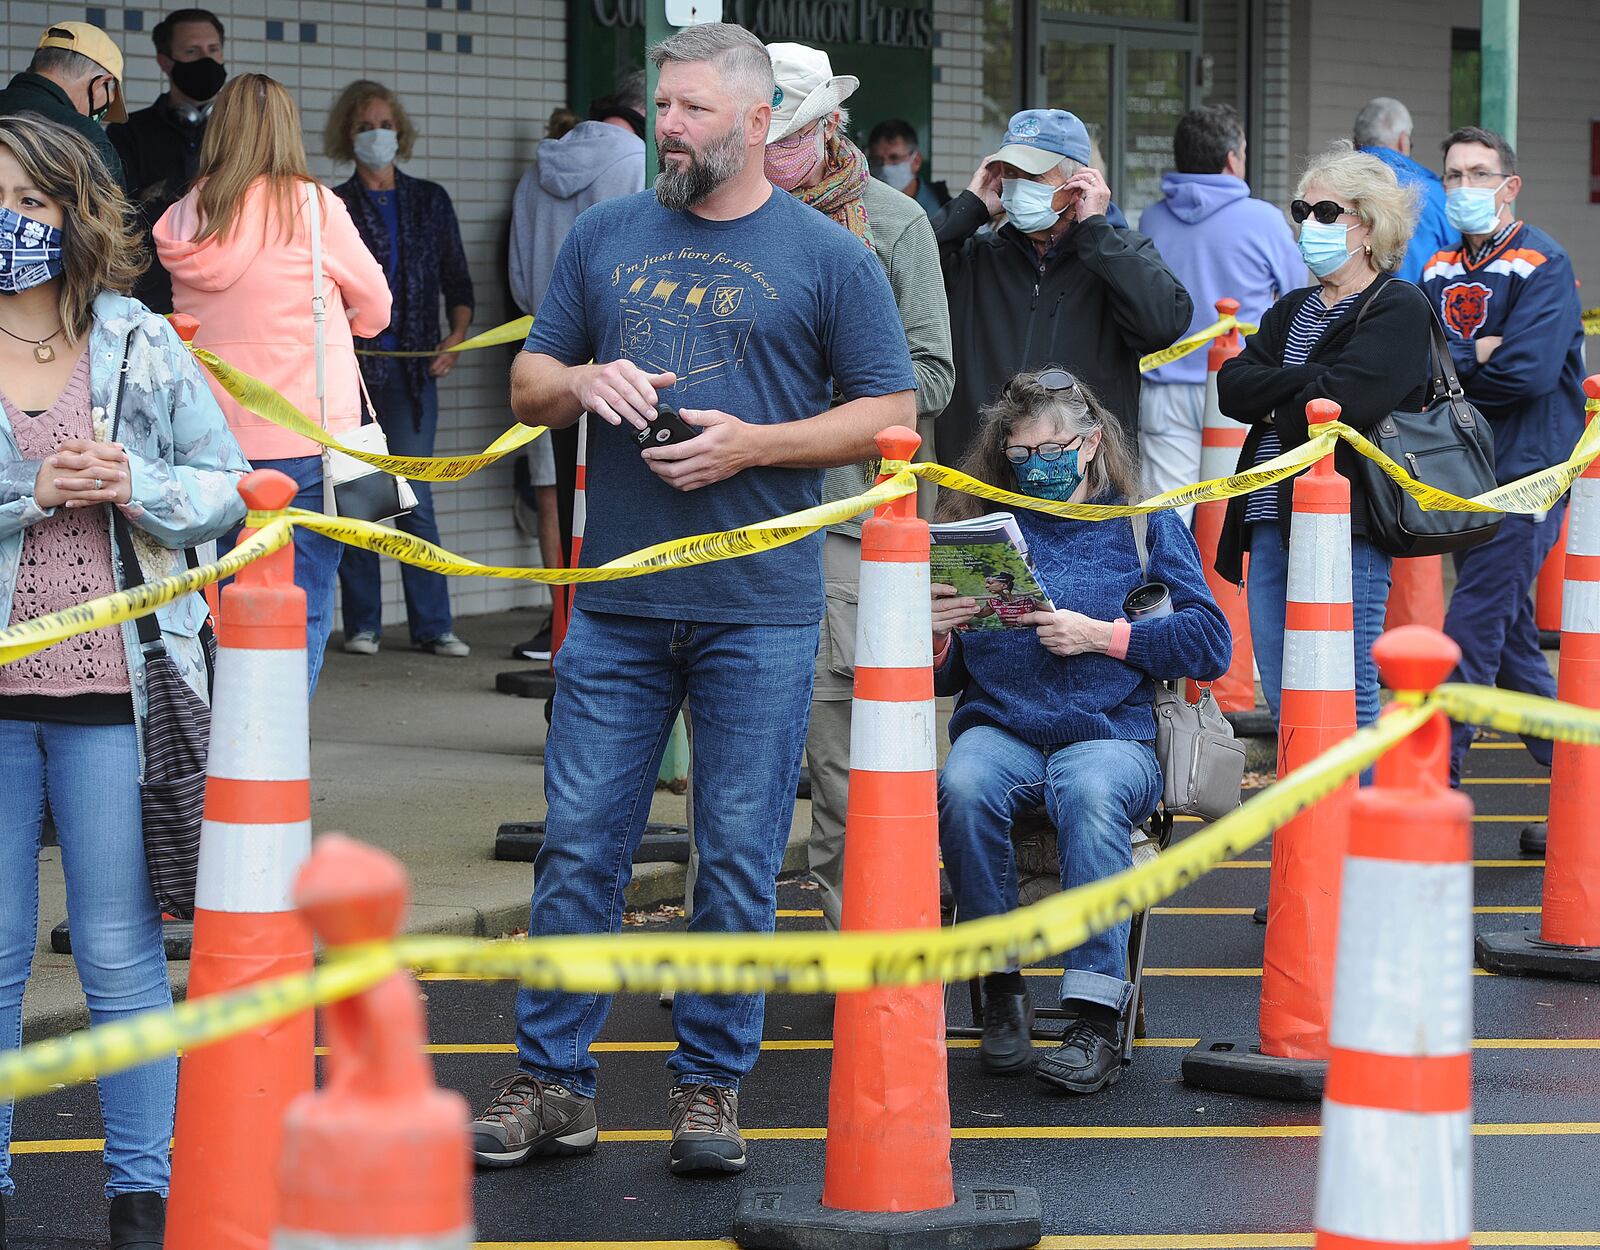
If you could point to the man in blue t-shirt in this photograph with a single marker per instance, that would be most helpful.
(743, 309)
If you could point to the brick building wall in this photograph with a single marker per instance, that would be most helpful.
(479, 83)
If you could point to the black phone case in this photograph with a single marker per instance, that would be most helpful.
(665, 429)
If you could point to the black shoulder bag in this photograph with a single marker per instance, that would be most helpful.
(177, 733)
(1447, 445)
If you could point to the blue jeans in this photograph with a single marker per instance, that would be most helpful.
(1268, 590)
(91, 775)
(1491, 619)
(427, 594)
(1094, 793)
(316, 559)
(619, 683)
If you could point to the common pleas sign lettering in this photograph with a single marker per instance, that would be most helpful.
(804, 21)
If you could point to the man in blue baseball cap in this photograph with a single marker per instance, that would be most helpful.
(1059, 283)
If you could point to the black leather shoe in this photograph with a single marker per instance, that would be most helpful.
(1085, 1062)
(138, 1221)
(1007, 1044)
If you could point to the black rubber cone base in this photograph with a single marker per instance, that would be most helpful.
(792, 1217)
(1235, 1065)
(526, 683)
(1524, 955)
(177, 936)
(1531, 841)
(519, 841)
(1549, 640)
(1253, 724)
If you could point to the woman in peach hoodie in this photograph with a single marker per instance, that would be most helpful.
(238, 247)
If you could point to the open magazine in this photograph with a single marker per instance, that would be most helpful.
(987, 559)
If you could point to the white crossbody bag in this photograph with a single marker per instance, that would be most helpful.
(350, 487)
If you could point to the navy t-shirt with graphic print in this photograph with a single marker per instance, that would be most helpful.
(759, 317)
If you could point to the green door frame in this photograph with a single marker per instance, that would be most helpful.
(1501, 37)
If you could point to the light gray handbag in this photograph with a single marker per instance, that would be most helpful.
(1202, 764)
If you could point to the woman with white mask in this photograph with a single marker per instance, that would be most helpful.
(410, 226)
(1357, 338)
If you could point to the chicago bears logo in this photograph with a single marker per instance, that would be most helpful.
(1466, 307)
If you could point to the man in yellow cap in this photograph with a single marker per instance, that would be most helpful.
(75, 78)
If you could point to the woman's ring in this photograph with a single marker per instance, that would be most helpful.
(98, 484)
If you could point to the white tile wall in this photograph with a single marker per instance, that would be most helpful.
(960, 138)
(479, 117)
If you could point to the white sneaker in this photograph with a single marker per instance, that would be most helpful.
(444, 644)
(363, 642)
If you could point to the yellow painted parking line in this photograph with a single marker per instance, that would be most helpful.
(987, 1132)
(1505, 781)
(1116, 1241)
(799, 913)
(1498, 746)
(968, 1043)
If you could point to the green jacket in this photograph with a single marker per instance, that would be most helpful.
(34, 93)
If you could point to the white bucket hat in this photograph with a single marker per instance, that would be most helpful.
(804, 88)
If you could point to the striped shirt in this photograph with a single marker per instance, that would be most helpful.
(1311, 320)
(1475, 254)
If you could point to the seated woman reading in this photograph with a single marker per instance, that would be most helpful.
(1059, 712)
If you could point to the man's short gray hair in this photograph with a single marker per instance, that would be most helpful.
(1381, 122)
(64, 63)
(743, 59)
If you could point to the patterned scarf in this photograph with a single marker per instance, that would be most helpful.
(840, 193)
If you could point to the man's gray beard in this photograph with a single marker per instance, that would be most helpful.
(683, 188)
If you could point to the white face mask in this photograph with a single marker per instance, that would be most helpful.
(376, 149)
(899, 175)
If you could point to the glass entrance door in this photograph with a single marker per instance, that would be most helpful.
(1130, 87)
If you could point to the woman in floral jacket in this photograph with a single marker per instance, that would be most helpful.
(72, 716)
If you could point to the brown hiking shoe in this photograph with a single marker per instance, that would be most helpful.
(530, 1117)
(705, 1130)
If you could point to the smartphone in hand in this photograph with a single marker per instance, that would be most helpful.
(664, 429)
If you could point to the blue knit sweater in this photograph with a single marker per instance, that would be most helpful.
(1007, 679)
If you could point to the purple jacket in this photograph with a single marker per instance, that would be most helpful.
(1222, 245)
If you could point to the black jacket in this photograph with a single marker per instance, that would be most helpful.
(1100, 302)
(161, 154)
(34, 93)
(1370, 371)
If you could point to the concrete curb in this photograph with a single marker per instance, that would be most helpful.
(653, 885)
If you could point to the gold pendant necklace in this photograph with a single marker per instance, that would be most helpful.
(43, 353)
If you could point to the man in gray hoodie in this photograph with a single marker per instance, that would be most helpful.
(596, 160)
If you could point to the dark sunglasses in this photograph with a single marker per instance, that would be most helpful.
(1325, 211)
(1053, 380)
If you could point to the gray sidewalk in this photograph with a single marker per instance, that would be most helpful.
(421, 756)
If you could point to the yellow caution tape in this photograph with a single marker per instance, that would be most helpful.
(1511, 712)
(511, 332)
(1198, 339)
(1264, 474)
(1591, 321)
(26, 637)
(256, 396)
(676, 553)
(111, 1048)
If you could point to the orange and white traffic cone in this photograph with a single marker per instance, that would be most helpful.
(562, 614)
(1235, 690)
(1548, 590)
(1318, 711)
(257, 833)
(1568, 942)
(1395, 1165)
(407, 1183)
(888, 1156)
(1416, 595)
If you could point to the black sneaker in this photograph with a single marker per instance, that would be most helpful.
(1007, 1044)
(536, 648)
(705, 1130)
(530, 1117)
(1085, 1062)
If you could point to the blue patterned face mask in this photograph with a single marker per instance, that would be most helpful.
(30, 252)
(1055, 480)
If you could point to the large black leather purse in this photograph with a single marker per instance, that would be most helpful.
(1447, 445)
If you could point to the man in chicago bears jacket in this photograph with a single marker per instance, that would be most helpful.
(1509, 303)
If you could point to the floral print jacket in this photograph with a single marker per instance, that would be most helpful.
(185, 468)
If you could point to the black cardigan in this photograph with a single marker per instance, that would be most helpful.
(1370, 371)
